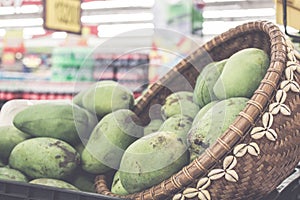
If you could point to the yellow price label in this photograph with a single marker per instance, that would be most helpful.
(63, 15)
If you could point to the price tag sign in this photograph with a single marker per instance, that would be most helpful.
(63, 15)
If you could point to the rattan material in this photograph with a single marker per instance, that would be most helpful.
(257, 175)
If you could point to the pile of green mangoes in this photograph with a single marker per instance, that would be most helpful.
(66, 144)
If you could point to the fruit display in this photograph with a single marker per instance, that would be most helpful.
(66, 144)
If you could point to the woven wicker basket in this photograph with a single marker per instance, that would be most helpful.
(261, 148)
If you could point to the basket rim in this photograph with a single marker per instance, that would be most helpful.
(258, 102)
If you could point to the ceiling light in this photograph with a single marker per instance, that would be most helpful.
(33, 31)
(130, 17)
(2, 32)
(116, 29)
(221, 1)
(21, 22)
(116, 4)
(239, 13)
(30, 9)
(26, 9)
(9, 10)
(59, 35)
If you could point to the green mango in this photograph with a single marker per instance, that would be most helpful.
(153, 126)
(117, 187)
(203, 91)
(152, 159)
(214, 123)
(10, 137)
(12, 174)
(78, 98)
(44, 157)
(242, 74)
(109, 139)
(202, 112)
(53, 183)
(179, 103)
(106, 97)
(61, 120)
(178, 124)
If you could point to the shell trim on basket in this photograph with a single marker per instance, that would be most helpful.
(278, 107)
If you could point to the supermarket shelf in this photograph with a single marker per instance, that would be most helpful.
(43, 86)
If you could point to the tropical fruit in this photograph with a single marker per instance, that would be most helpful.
(108, 141)
(106, 97)
(44, 157)
(242, 74)
(179, 103)
(53, 183)
(203, 91)
(12, 174)
(61, 120)
(178, 124)
(10, 136)
(214, 122)
(153, 126)
(117, 187)
(202, 112)
(78, 98)
(151, 159)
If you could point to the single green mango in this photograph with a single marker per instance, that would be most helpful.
(152, 159)
(178, 124)
(44, 157)
(153, 126)
(203, 91)
(108, 141)
(179, 103)
(61, 120)
(10, 137)
(106, 97)
(78, 98)
(117, 187)
(53, 183)
(202, 112)
(242, 74)
(214, 123)
(12, 174)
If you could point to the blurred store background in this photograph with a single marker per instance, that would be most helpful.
(132, 41)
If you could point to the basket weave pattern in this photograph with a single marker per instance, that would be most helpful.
(260, 148)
